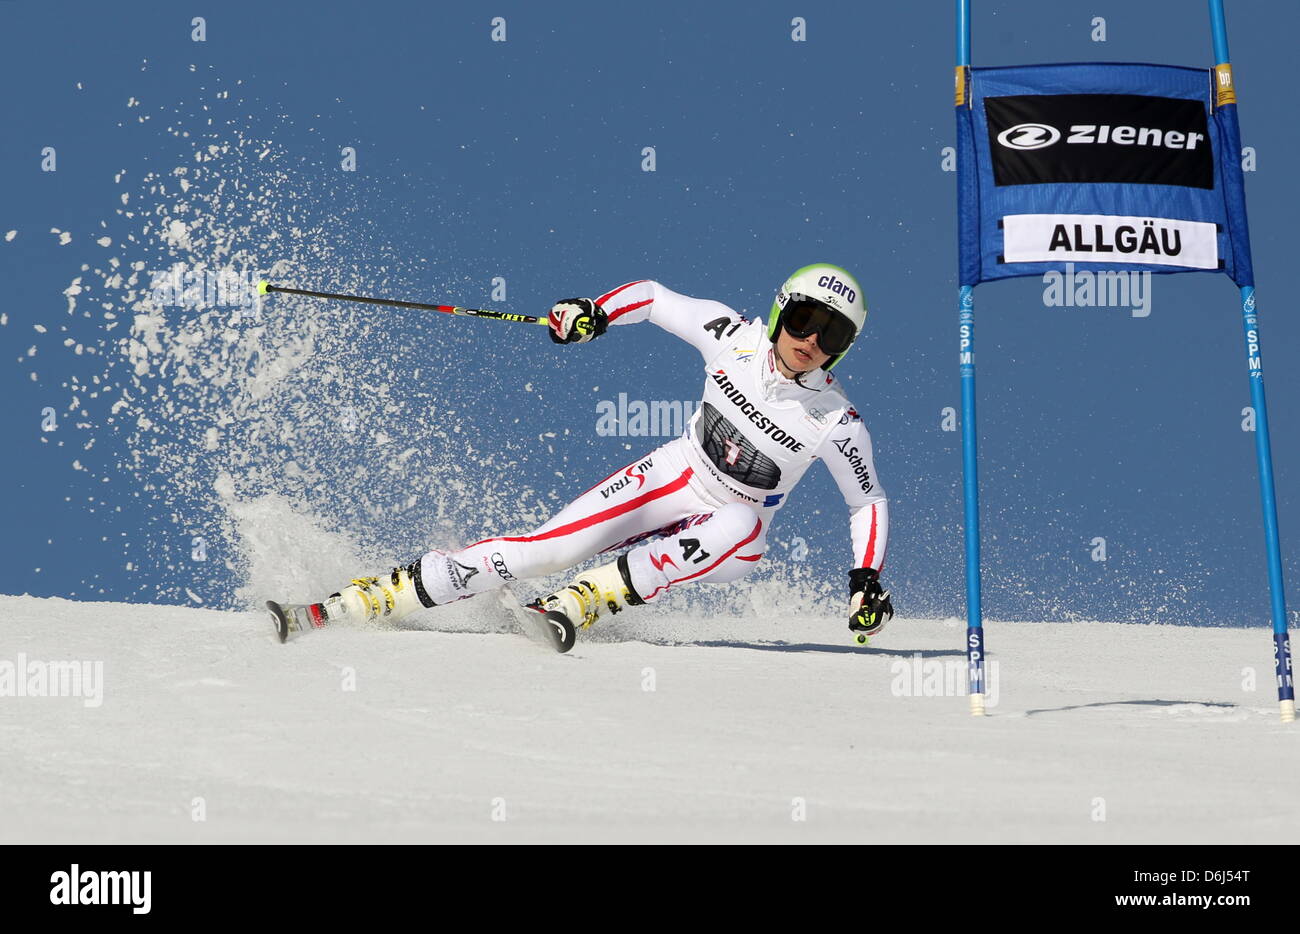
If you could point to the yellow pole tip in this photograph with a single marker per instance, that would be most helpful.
(261, 287)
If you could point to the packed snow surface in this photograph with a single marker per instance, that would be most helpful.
(656, 727)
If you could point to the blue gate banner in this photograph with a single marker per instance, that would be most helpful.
(1103, 166)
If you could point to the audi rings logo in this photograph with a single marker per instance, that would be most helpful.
(1029, 136)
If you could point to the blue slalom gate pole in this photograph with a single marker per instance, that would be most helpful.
(1264, 455)
(1219, 30)
(970, 473)
(971, 497)
(1263, 447)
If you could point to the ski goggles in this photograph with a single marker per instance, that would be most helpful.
(803, 316)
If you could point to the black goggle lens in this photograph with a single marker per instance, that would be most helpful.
(803, 316)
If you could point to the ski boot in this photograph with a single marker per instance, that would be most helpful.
(391, 597)
(395, 595)
(591, 592)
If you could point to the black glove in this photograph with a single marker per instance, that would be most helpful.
(577, 320)
(869, 604)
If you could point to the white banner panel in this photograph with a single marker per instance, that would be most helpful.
(1109, 238)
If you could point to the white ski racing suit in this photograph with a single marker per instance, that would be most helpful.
(699, 507)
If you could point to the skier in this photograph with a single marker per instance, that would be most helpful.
(700, 507)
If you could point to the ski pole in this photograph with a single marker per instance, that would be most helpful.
(265, 287)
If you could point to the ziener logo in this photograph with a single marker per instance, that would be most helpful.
(1029, 136)
(1137, 139)
(1041, 135)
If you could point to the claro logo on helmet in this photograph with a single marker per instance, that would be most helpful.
(839, 287)
(1041, 135)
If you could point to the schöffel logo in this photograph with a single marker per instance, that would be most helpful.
(857, 462)
(459, 574)
(1089, 138)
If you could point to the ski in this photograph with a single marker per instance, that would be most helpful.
(288, 619)
(548, 628)
(551, 628)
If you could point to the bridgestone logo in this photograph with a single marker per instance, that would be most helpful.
(1109, 238)
(751, 411)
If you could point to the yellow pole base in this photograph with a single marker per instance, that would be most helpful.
(977, 705)
(1288, 711)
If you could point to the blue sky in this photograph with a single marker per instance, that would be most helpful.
(478, 161)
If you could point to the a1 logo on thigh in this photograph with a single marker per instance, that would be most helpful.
(691, 546)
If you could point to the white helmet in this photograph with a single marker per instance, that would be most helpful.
(828, 287)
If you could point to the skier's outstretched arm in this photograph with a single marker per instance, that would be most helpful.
(848, 456)
(700, 322)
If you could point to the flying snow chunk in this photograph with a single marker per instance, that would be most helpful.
(177, 234)
(10, 235)
(72, 292)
